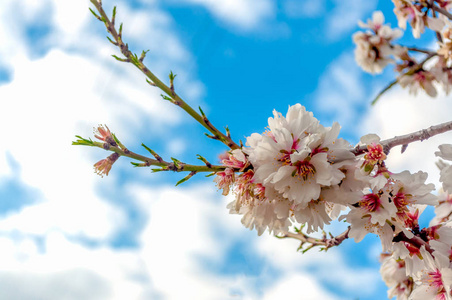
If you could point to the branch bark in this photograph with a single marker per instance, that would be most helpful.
(314, 242)
(406, 139)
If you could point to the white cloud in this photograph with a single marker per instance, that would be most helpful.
(244, 14)
(74, 87)
(398, 113)
(327, 267)
(340, 93)
(65, 270)
(189, 225)
(289, 287)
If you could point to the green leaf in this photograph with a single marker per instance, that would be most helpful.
(111, 41)
(389, 86)
(97, 17)
(120, 59)
(202, 113)
(150, 151)
(83, 142)
(116, 139)
(167, 98)
(172, 76)
(186, 178)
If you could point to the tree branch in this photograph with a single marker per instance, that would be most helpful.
(442, 11)
(406, 139)
(314, 242)
(154, 80)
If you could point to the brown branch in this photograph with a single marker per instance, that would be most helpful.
(406, 139)
(415, 241)
(431, 4)
(442, 11)
(415, 49)
(411, 71)
(314, 242)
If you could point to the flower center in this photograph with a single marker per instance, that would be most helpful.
(436, 281)
(370, 202)
(401, 200)
(304, 169)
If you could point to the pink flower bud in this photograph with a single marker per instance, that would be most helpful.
(104, 134)
(104, 166)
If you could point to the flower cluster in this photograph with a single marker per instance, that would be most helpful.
(295, 166)
(419, 265)
(374, 48)
(300, 172)
(422, 269)
(407, 10)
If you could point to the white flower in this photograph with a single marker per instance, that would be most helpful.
(373, 48)
(406, 11)
(298, 156)
(315, 215)
(445, 152)
(376, 23)
(443, 210)
(435, 281)
(416, 259)
(361, 225)
(409, 189)
(419, 80)
(259, 211)
(394, 275)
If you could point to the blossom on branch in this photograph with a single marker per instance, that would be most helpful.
(445, 152)
(103, 166)
(422, 79)
(298, 156)
(393, 272)
(373, 48)
(406, 10)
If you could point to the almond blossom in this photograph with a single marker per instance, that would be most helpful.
(394, 275)
(443, 210)
(373, 48)
(445, 152)
(295, 157)
(442, 73)
(435, 281)
(420, 80)
(103, 166)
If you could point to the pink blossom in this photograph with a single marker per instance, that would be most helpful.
(103, 166)
(224, 180)
(104, 134)
(419, 80)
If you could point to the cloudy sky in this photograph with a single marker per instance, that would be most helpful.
(66, 233)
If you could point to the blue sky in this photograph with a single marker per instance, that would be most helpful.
(66, 233)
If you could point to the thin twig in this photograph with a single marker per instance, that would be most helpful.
(314, 242)
(415, 49)
(411, 71)
(154, 80)
(442, 11)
